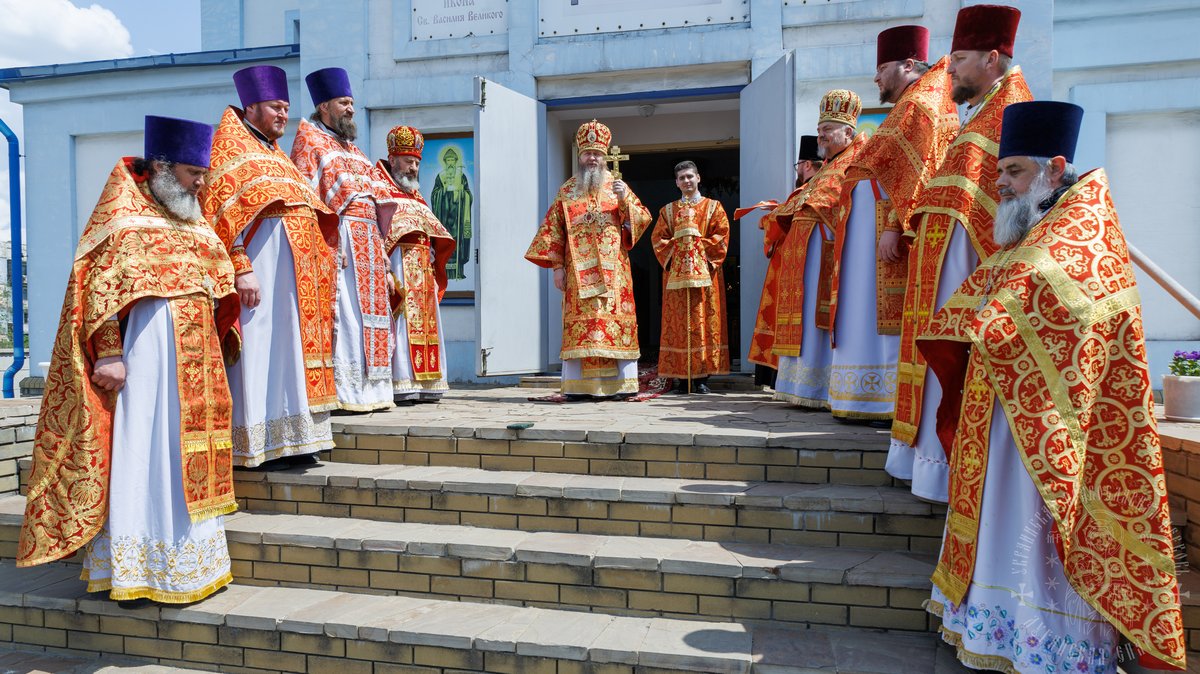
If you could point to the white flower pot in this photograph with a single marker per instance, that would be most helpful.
(1181, 398)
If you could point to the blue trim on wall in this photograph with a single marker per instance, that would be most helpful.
(199, 58)
(645, 95)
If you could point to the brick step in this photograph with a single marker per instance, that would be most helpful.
(26, 659)
(618, 575)
(887, 518)
(256, 630)
(825, 452)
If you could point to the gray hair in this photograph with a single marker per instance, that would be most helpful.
(1070, 173)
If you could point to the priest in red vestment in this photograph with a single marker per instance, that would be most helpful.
(1058, 539)
(761, 353)
(585, 238)
(132, 452)
(280, 237)
(325, 153)
(418, 249)
(816, 220)
(950, 228)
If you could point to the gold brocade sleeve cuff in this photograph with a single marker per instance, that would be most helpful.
(241, 261)
(893, 223)
(106, 341)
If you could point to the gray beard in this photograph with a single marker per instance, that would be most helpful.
(410, 185)
(1017, 215)
(173, 197)
(345, 128)
(591, 180)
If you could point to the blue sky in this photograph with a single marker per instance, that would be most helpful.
(158, 26)
(39, 32)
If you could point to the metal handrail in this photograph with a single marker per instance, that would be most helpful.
(1181, 294)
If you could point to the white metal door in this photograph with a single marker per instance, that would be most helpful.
(768, 152)
(508, 292)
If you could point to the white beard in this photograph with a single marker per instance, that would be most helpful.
(173, 197)
(1015, 216)
(410, 185)
(589, 181)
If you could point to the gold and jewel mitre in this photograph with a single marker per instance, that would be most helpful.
(842, 106)
(593, 136)
(405, 141)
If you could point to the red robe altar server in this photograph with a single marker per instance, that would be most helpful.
(690, 241)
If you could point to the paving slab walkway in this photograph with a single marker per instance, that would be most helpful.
(749, 419)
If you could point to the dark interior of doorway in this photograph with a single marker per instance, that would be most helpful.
(651, 177)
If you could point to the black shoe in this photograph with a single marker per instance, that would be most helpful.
(266, 466)
(701, 388)
(301, 460)
(578, 398)
(134, 604)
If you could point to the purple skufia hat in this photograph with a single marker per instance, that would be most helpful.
(261, 83)
(178, 140)
(327, 84)
(1040, 129)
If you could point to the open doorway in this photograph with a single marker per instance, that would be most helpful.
(651, 176)
(656, 133)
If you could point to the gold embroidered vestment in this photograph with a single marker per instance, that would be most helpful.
(130, 250)
(1053, 330)
(583, 234)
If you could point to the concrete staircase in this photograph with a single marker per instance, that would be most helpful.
(619, 537)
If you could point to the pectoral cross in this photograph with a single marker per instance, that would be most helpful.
(615, 158)
(209, 286)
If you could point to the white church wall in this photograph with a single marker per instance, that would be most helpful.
(1135, 70)
(267, 22)
(1152, 183)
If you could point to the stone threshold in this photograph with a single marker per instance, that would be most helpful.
(259, 629)
(663, 555)
(829, 435)
(453, 479)
(794, 514)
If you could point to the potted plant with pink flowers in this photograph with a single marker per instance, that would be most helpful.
(1181, 388)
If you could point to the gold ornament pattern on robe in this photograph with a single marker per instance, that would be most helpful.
(1053, 329)
(762, 340)
(964, 190)
(583, 234)
(249, 183)
(690, 241)
(426, 247)
(130, 250)
(901, 156)
(346, 181)
(822, 203)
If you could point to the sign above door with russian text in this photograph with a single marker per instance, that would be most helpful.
(559, 18)
(445, 19)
